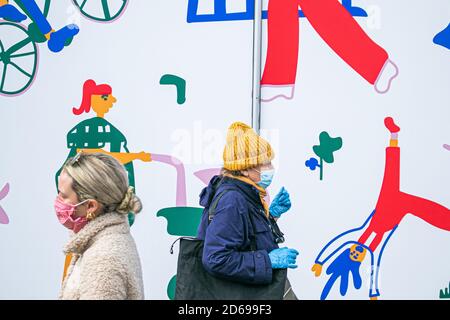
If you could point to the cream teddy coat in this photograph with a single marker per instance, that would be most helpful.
(105, 262)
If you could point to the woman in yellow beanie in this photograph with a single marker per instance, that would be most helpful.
(241, 238)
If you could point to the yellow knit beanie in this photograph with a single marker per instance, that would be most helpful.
(245, 149)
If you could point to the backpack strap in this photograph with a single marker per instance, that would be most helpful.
(213, 206)
(211, 214)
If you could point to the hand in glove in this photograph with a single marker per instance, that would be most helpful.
(280, 204)
(283, 258)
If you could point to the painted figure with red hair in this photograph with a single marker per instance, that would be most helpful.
(99, 135)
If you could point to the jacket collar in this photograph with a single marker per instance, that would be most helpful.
(261, 192)
(219, 183)
(108, 222)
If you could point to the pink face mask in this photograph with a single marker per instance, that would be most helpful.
(65, 213)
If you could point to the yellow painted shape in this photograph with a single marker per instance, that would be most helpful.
(122, 157)
(102, 103)
(317, 269)
(356, 255)
(393, 143)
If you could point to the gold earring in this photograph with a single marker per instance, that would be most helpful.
(90, 216)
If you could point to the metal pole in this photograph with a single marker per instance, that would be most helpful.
(257, 40)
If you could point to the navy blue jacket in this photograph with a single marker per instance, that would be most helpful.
(226, 251)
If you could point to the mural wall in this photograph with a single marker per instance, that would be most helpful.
(355, 102)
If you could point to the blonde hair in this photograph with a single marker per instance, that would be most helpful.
(101, 177)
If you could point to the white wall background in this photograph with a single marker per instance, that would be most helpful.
(153, 38)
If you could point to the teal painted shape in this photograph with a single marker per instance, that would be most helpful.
(171, 287)
(178, 82)
(182, 221)
(327, 146)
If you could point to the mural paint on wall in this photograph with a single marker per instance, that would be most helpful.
(393, 204)
(220, 11)
(181, 221)
(98, 135)
(179, 83)
(3, 193)
(324, 151)
(110, 10)
(206, 175)
(18, 44)
(56, 40)
(443, 38)
(337, 28)
(171, 288)
(20, 59)
(445, 293)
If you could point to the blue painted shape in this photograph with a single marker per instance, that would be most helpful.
(312, 164)
(443, 38)
(354, 11)
(341, 267)
(11, 13)
(60, 38)
(220, 13)
(34, 12)
(340, 236)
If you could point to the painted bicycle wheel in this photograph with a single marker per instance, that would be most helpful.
(102, 10)
(18, 59)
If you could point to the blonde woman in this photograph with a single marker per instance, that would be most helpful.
(93, 201)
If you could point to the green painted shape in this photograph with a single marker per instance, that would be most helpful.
(327, 146)
(182, 221)
(8, 56)
(107, 15)
(445, 293)
(321, 169)
(36, 34)
(171, 287)
(179, 83)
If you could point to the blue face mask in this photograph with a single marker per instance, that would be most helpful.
(266, 178)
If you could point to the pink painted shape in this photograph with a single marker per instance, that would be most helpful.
(3, 193)
(446, 146)
(390, 79)
(206, 175)
(181, 176)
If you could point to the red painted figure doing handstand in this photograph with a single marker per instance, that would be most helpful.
(392, 206)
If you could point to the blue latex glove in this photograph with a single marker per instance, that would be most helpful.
(342, 267)
(283, 258)
(280, 204)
